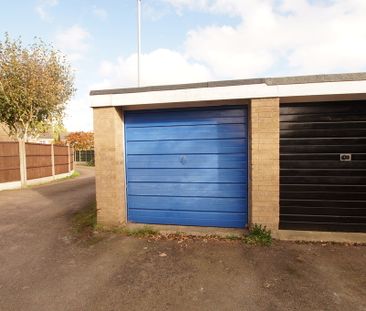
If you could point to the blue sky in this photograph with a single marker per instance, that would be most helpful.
(191, 40)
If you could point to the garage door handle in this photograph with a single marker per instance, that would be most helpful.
(183, 160)
(345, 157)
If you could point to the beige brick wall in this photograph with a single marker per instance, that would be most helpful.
(264, 162)
(109, 165)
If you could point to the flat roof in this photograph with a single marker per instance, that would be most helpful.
(270, 81)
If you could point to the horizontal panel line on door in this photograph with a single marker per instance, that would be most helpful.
(188, 139)
(282, 139)
(320, 113)
(322, 138)
(323, 223)
(328, 185)
(320, 192)
(318, 175)
(324, 122)
(198, 112)
(321, 215)
(183, 125)
(183, 196)
(319, 153)
(322, 145)
(184, 168)
(315, 200)
(190, 182)
(189, 210)
(184, 153)
(214, 169)
(324, 108)
(324, 169)
(321, 207)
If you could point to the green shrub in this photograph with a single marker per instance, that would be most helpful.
(259, 235)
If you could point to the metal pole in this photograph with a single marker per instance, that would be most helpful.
(138, 42)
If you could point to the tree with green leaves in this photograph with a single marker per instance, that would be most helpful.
(36, 82)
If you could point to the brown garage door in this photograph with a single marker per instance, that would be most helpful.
(323, 166)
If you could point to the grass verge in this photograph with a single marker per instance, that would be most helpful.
(74, 174)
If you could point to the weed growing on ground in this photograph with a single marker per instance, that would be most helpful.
(74, 174)
(258, 235)
(85, 220)
(233, 237)
(145, 231)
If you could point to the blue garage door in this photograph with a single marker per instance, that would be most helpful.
(187, 167)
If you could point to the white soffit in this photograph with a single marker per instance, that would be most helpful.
(229, 92)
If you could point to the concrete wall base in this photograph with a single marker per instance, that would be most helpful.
(32, 182)
(190, 230)
(317, 236)
(285, 235)
(10, 185)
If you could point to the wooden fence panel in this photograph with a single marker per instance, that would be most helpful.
(61, 159)
(39, 161)
(9, 162)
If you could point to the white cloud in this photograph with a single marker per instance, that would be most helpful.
(42, 8)
(161, 66)
(152, 12)
(290, 36)
(74, 41)
(79, 115)
(99, 12)
(180, 5)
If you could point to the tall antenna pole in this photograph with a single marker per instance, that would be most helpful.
(138, 42)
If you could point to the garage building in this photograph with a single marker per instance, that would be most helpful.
(288, 153)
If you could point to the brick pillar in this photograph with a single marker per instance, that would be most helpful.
(264, 181)
(109, 165)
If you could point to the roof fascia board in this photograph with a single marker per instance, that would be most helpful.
(249, 91)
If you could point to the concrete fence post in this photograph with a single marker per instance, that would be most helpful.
(53, 160)
(68, 157)
(22, 163)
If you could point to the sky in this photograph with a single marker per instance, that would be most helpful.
(187, 41)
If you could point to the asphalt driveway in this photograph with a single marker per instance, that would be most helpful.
(44, 267)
